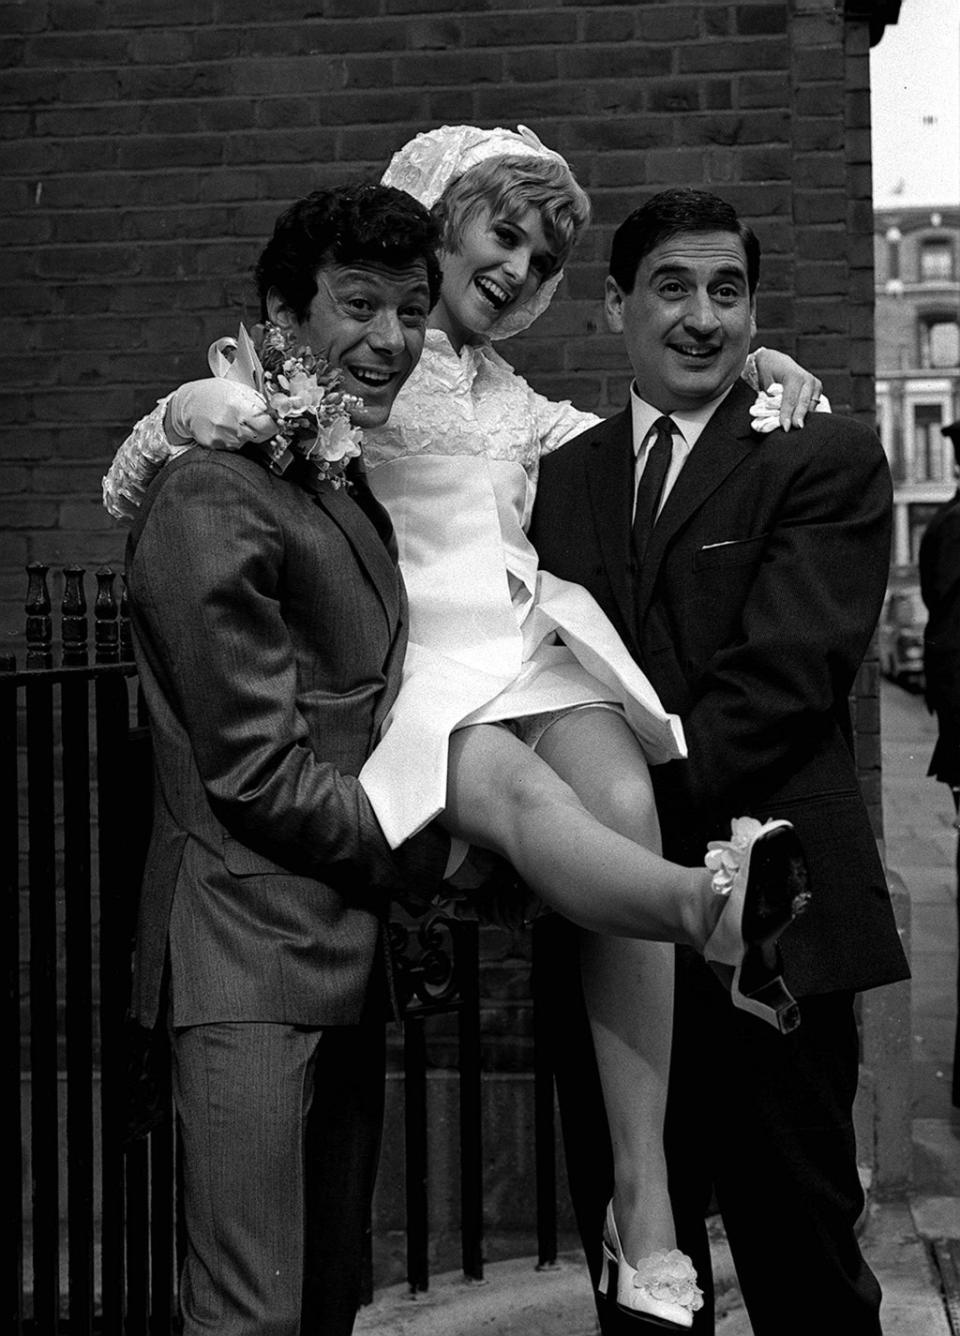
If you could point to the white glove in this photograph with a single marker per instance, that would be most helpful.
(220, 413)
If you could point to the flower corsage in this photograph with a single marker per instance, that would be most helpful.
(313, 416)
(765, 409)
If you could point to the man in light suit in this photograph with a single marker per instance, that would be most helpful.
(747, 585)
(270, 625)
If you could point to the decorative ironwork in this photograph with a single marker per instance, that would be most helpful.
(430, 978)
(106, 634)
(112, 638)
(39, 626)
(73, 617)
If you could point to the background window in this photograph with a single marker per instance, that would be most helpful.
(936, 261)
(927, 444)
(939, 342)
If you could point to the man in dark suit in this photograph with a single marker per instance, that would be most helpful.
(939, 564)
(270, 625)
(747, 585)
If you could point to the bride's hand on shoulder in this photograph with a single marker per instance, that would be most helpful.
(219, 413)
(802, 390)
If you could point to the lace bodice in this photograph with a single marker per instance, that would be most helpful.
(472, 404)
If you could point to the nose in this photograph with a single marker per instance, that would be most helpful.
(517, 264)
(385, 332)
(701, 314)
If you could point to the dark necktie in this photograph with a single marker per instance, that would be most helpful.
(651, 485)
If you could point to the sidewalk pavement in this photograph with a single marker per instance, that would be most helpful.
(900, 1237)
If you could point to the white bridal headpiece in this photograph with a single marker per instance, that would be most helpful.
(428, 163)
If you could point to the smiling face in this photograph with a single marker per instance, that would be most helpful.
(500, 264)
(369, 320)
(688, 322)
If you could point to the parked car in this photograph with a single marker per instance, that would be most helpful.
(900, 636)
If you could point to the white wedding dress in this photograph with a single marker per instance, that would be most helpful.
(492, 637)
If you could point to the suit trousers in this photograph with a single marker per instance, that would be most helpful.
(758, 1124)
(280, 1130)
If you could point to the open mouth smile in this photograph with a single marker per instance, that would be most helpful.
(373, 378)
(698, 352)
(497, 296)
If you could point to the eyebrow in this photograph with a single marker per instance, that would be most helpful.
(514, 221)
(362, 275)
(724, 271)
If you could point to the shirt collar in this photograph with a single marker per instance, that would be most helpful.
(689, 422)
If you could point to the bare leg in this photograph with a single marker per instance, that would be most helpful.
(628, 983)
(578, 822)
(502, 796)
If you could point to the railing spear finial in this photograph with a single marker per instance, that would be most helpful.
(73, 617)
(39, 627)
(106, 635)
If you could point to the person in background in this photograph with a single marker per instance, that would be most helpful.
(939, 565)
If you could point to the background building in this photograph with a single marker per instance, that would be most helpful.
(918, 362)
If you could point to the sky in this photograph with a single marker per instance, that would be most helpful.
(915, 105)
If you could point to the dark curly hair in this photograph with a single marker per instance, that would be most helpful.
(355, 224)
(667, 214)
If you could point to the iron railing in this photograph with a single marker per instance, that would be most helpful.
(98, 1243)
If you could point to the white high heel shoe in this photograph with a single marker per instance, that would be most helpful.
(661, 1288)
(762, 871)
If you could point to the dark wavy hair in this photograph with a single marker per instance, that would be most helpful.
(667, 214)
(358, 224)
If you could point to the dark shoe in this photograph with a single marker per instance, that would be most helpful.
(763, 873)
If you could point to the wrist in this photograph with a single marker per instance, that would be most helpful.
(169, 430)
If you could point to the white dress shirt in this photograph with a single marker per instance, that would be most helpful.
(687, 427)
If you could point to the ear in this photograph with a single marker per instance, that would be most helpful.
(279, 312)
(613, 305)
(753, 317)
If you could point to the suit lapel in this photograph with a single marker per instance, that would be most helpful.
(367, 533)
(609, 486)
(725, 441)
(366, 525)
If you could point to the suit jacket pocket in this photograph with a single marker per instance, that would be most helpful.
(737, 552)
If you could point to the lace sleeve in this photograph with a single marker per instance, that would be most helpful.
(137, 462)
(558, 421)
(563, 424)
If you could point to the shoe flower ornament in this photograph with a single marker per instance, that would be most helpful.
(669, 1278)
(724, 858)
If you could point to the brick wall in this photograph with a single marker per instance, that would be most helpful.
(146, 150)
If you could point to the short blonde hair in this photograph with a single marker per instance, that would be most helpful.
(508, 186)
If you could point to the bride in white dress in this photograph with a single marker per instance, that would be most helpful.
(563, 789)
